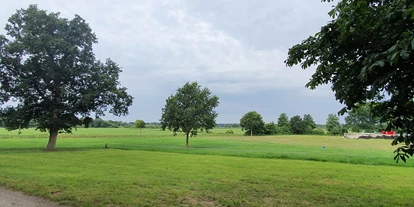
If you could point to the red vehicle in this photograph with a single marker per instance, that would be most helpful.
(388, 132)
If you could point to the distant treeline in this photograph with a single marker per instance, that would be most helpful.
(361, 120)
(101, 123)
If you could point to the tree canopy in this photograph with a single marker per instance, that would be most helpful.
(283, 125)
(363, 119)
(365, 52)
(253, 123)
(309, 122)
(333, 125)
(190, 109)
(139, 124)
(297, 125)
(49, 74)
(270, 128)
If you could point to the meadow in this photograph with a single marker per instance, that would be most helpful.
(155, 169)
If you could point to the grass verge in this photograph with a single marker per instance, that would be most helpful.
(141, 178)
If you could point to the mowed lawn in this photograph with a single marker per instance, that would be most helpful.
(155, 169)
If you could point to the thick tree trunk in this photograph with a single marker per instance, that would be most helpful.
(251, 132)
(51, 145)
(140, 130)
(186, 140)
(54, 128)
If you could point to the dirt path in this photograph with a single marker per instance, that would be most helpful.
(9, 198)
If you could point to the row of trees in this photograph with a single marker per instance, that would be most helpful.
(100, 123)
(358, 120)
(253, 123)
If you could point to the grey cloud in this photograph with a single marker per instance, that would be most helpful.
(235, 48)
(263, 24)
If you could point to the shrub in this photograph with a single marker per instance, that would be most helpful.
(284, 130)
(318, 131)
(229, 131)
(270, 128)
(308, 130)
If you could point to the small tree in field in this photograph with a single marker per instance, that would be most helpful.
(253, 122)
(139, 124)
(48, 68)
(190, 109)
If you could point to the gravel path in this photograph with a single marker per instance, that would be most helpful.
(9, 198)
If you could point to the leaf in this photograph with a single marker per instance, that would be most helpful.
(379, 63)
(403, 158)
(405, 55)
(412, 43)
(394, 58)
(396, 157)
(392, 48)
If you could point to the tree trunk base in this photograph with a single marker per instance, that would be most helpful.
(186, 141)
(51, 145)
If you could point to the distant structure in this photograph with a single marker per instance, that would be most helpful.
(383, 135)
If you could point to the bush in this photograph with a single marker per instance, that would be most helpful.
(318, 131)
(308, 130)
(284, 130)
(270, 128)
(229, 131)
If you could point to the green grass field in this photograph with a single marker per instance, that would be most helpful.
(155, 169)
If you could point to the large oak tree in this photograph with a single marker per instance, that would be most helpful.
(190, 109)
(366, 53)
(49, 74)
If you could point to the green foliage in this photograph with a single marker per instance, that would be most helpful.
(308, 130)
(229, 131)
(189, 110)
(332, 124)
(284, 130)
(253, 123)
(297, 125)
(49, 70)
(308, 120)
(283, 120)
(318, 131)
(270, 128)
(283, 125)
(139, 124)
(365, 52)
(100, 123)
(362, 118)
(235, 125)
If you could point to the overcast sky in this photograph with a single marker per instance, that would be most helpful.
(236, 48)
